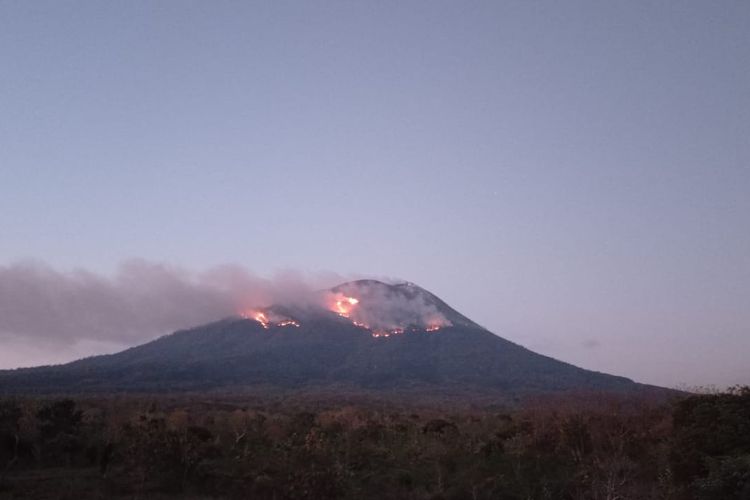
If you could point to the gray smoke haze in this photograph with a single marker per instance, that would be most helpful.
(140, 301)
(380, 308)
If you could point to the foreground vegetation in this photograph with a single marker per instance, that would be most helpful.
(696, 447)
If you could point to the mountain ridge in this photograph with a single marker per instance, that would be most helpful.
(429, 345)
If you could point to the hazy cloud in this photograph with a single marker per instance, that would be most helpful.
(140, 301)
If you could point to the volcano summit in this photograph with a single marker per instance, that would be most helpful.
(361, 335)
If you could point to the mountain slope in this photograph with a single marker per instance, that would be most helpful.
(416, 340)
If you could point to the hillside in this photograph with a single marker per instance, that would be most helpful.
(419, 343)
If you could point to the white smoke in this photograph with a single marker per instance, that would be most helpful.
(382, 307)
(140, 301)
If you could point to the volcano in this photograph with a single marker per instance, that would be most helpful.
(361, 335)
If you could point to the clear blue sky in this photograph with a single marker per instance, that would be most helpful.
(573, 175)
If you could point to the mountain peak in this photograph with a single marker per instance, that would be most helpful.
(383, 309)
(339, 340)
(391, 308)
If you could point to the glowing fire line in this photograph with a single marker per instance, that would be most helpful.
(344, 306)
(288, 322)
(266, 322)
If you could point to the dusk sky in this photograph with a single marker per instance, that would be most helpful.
(574, 176)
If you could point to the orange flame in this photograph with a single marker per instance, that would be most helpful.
(269, 319)
(261, 318)
(343, 305)
(288, 322)
(432, 328)
(387, 333)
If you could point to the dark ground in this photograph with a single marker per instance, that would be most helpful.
(585, 446)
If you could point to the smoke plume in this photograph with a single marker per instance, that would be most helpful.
(140, 301)
(383, 307)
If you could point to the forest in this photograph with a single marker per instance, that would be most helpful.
(577, 446)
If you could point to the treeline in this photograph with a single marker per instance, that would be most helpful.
(696, 447)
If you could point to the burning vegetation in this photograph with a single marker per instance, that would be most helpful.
(383, 315)
(371, 306)
(341, 304)
(268, 318)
